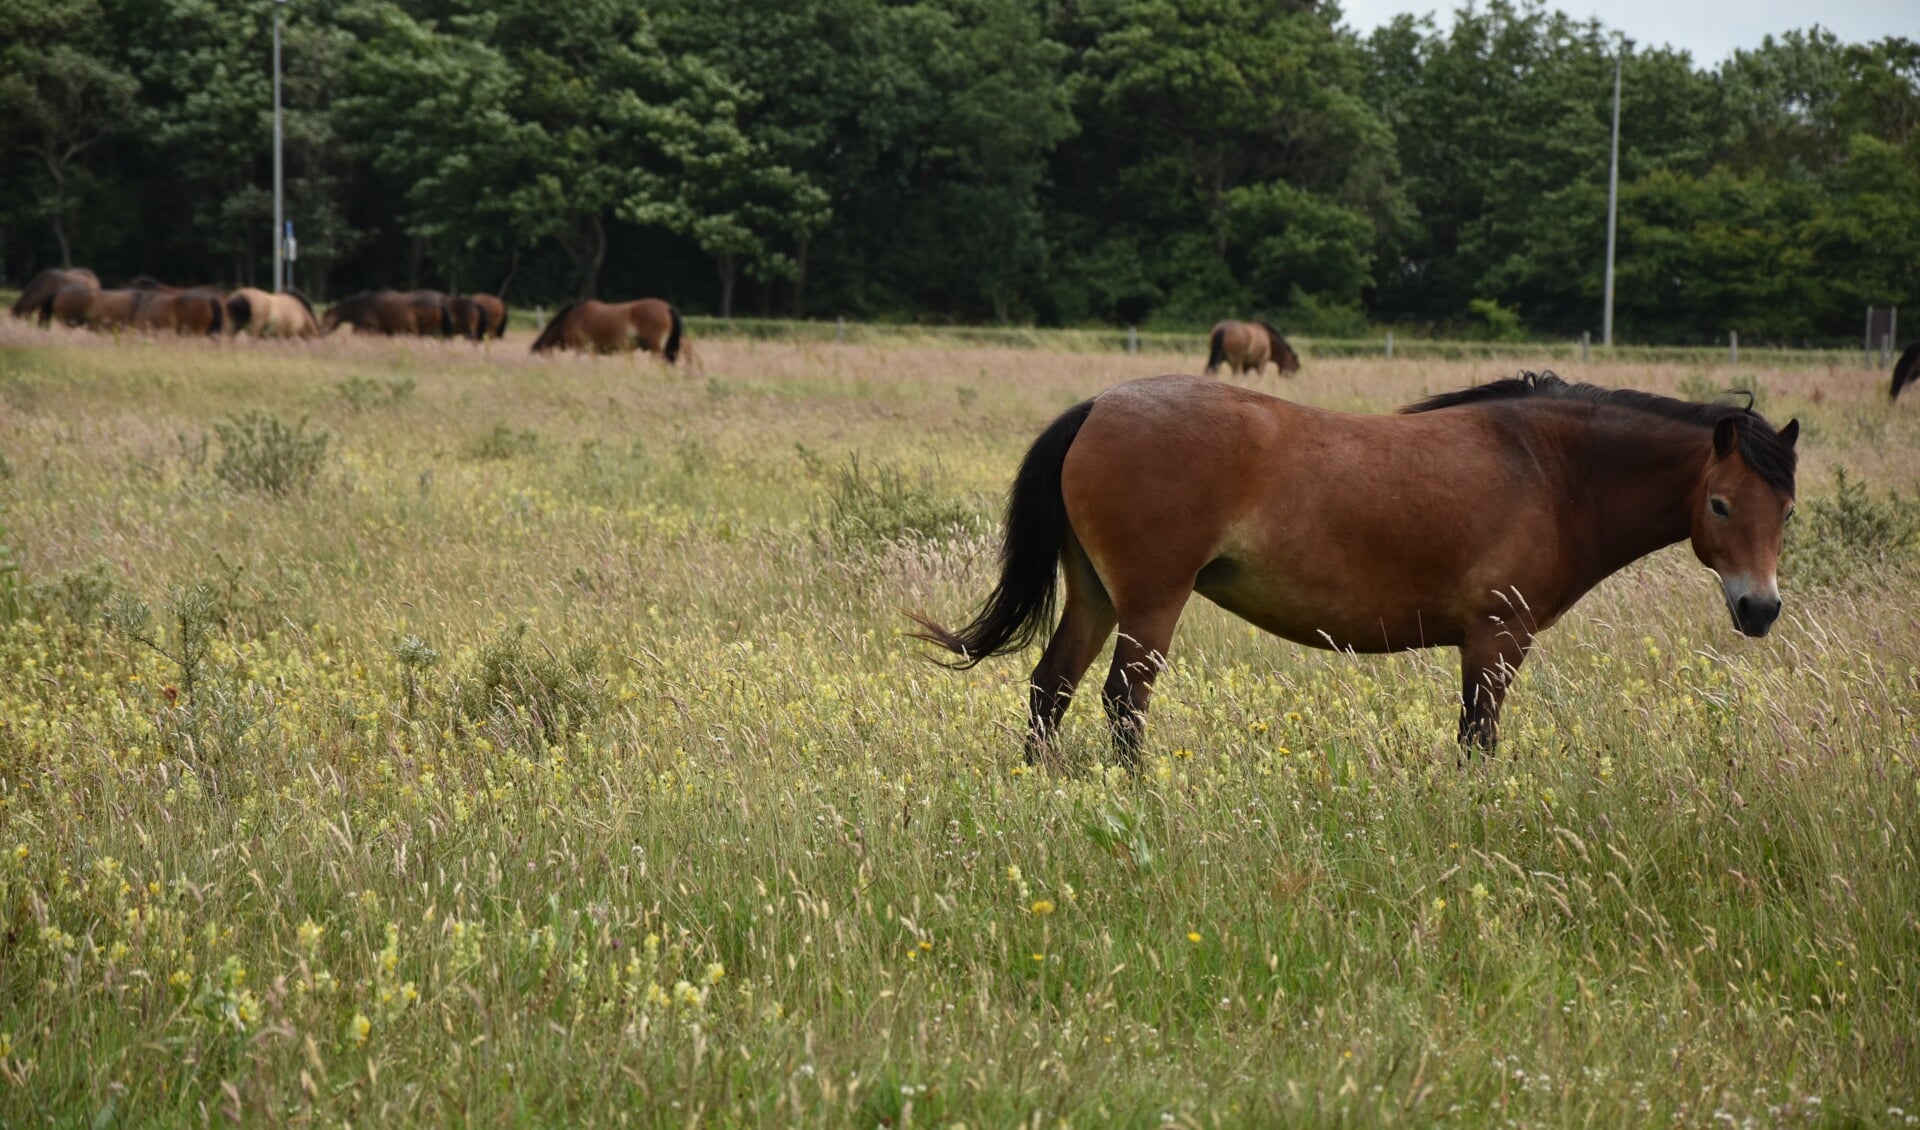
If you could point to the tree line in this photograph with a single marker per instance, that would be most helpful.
(1066, 162)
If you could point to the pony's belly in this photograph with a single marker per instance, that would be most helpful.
(1324, 616)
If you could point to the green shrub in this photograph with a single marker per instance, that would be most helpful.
(364, 395)
(1496, 322)
(1850, 537)
(872, 507)
(260, 452)
(532, 696)
(503, 443)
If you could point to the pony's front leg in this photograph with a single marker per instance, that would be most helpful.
(1488, 662)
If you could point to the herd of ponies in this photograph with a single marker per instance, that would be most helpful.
(75, 297)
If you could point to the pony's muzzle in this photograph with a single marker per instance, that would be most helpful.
(1754, 615)
(1753, 607)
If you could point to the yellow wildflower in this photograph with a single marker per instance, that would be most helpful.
(361, 1028)
(1193, 936)
(1042, 907)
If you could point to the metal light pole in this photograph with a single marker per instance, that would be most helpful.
(279, 179)
(1613, 196)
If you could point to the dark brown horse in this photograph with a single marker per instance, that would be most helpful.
(1905, 371)
(37, 299)
(1474, 520)
(615, 327)
(469, 321)
(79, 304)
(1244, 346)
(423, 312)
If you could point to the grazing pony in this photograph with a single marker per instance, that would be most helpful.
(82, 304)
(1905, 371)
(196, 310)
(615, 327)
(495, 312)
(263, 314)
(425, 312)
(1473, 519)
(37, 299)
(469, 321)
(1244, 346)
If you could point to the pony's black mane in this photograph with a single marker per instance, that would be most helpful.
(1760, 444)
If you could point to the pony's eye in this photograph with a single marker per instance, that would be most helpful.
(1720, 507)
(1791, 511)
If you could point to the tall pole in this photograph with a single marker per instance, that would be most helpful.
(279, 177)
(1613, 197)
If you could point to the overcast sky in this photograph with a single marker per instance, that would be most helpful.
(1709, 29)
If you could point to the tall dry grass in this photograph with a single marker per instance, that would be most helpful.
(554, 755)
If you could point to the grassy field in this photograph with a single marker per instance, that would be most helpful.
(414, 733)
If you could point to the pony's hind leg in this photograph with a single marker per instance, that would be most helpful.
(1086, 620)
(1138, 659)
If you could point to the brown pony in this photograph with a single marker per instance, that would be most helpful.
(1249, 345)
(80, 304)
(271, 315)
(1473, 519)
(37, 299)
(194, 310)
(494, 310)
(613, 327)
(469, 321)
(391, 312)
(1905, 371)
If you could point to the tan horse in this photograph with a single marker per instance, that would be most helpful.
(425, 312)
(616, 327)
(1471, 520)
(1245, 346)
(37, 299)
(262, 314)
(478, 316)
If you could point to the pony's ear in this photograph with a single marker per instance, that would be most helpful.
(1791, 432)
(1726, 435)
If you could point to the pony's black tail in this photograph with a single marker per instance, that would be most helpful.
(32, 298)
(1216, 350)
(551, 337)
(1906, 371)
(671, 350)
(219, 309)
(240, 310)
(1022, 603)
(446, 318)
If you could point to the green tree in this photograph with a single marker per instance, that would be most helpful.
(1225, 140)
(61, 94)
